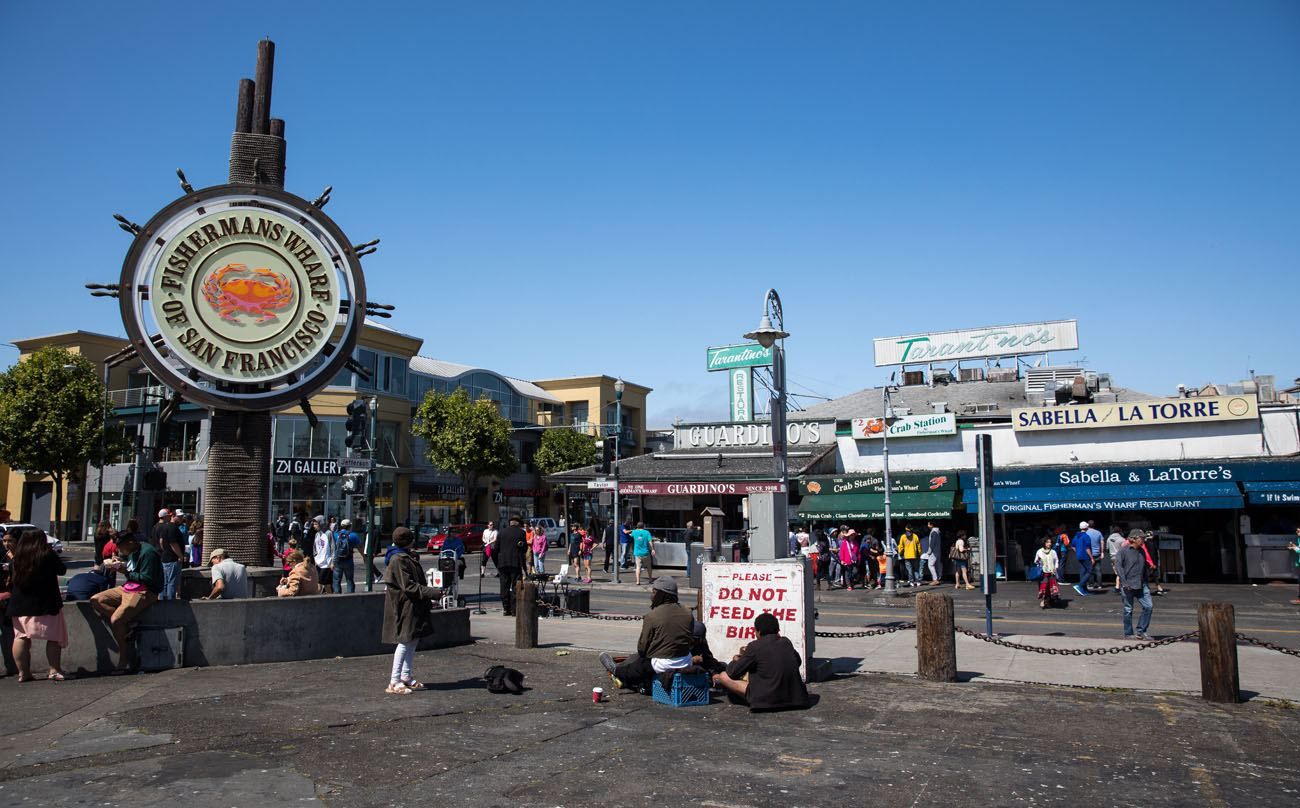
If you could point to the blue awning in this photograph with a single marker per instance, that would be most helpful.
(1286, 492)
(1188, 496)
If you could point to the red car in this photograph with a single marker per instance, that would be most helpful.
(472, 535)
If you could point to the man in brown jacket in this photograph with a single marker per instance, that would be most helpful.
(407, 604)
(665, 643)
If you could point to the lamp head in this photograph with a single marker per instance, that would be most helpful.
(765, 334)
(619, 386)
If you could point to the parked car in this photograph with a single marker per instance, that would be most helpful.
(554, 533)
(55, 544)
(472, 535)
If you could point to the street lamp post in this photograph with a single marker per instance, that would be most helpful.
(619, 386)
(891, 556)
(771, 333)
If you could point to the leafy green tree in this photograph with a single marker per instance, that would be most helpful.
(564, 449)
(470, 439)
(53, 410)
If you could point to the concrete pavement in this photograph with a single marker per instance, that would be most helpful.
(324, 733)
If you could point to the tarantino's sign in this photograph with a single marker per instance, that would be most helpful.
(246, 294)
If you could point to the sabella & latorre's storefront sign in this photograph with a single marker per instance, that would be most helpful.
(977, 343)
(1206, 409)
(749, 355)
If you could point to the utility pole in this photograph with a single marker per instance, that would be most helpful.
(372, 512)
(618, 439)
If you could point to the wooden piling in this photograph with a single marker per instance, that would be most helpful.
(1220, 680)
(263, 77)
(936, 642)
(244, 107)
(526, 614)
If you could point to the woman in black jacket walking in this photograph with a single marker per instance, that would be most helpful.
(36, 605)
(407, 604)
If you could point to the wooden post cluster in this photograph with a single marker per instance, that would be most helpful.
(525, 614)
(1220, 681)
(936, 641)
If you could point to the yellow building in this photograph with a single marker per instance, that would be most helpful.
(588, 402)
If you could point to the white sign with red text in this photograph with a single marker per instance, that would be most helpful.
(734, 594)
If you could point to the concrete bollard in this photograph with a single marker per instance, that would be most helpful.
(526, 614)
(1220, 681)
(936, 641)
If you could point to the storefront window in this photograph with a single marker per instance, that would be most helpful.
(181, 442)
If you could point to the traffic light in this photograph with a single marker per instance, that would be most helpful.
(606, 455)
(358, 415)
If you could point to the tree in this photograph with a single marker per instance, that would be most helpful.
(53, 412)
(564, 449)
(470, 439)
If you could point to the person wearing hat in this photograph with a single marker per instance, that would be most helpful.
(765, 674)
(229, 577)
(166, 536)
(323, 553)
(407, 617)
(509, 553)
(1132, 568)
(667, 635)
(123, 605)
(345, 542)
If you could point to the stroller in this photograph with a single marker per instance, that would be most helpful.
(446, 577)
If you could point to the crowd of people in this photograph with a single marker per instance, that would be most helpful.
(841, 557)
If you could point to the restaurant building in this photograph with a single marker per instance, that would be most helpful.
(408, 489)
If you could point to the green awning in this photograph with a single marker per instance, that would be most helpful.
(919, 505)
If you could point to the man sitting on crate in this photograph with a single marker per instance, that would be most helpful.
(765, 674)
(665, 643)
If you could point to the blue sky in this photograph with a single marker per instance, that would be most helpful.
(566, 188)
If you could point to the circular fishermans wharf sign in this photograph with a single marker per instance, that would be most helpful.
(242, 297)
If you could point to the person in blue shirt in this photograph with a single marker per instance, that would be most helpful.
(345, 542)
(1082, 545)
(456, 544)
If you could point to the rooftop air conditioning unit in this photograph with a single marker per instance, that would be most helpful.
(913, 377)
(939, 407)
(972, 374)
(1002, 374)
(1103, 381)
(986, 408)
(942, 376)
(1267, 388)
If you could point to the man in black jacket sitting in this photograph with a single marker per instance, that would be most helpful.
(772, 666)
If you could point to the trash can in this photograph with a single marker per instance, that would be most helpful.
(696, 553)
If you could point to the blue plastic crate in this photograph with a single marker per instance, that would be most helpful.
(689, 690)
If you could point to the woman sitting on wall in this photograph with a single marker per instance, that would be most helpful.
(301, 579)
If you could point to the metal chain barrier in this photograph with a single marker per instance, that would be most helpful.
(553, 609)
(1242, 638)
(870, 633)
(1121, 649)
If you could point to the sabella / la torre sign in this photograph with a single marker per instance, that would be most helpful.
(977, 343)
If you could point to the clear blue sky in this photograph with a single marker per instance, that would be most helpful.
(567, 188)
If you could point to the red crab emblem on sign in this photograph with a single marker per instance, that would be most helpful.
(258, 292)
(936, 482)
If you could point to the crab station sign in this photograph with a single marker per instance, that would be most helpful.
(242, 297)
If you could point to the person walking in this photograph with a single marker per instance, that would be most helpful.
(407, 612)
(167, 538)
(960, 556)
(1114, 543)
(625, 545)
(609, 540)
(489, 547)
(539, 547)
(36, 605)
(1098, 542)
(1061, 545)
(1048, 561)
(1082, 543)
(345, 543)
(643, 551)
(848, 558)
(933, 550)
(1294, 547)
(909, 547)
(1133, 567)
(510, 550)
(323, 553)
